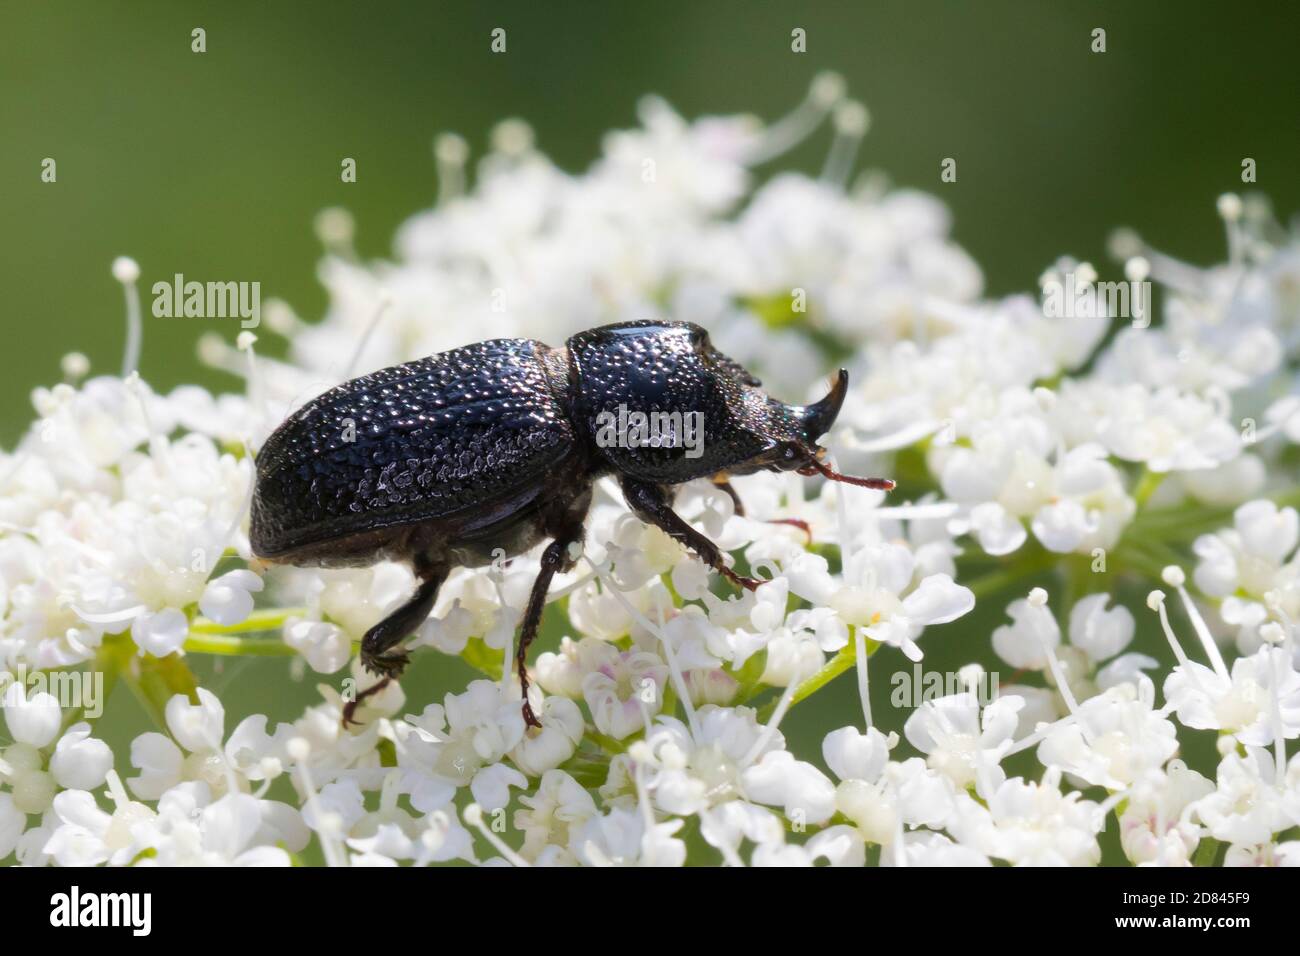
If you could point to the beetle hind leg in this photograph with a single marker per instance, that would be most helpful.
(380, 654)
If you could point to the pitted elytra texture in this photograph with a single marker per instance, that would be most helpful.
(427, 439)
(452, 460)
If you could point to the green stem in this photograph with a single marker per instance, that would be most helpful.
(844, 659)
(263, 619)
(229, 646)
(1147, 486)
(153, 680)
(610, 745)
(486, 660)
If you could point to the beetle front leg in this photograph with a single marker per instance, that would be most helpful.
(649, 502)
(379, 652)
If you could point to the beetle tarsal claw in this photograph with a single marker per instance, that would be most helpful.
(748, 584)
(530, 718)
(390, 663)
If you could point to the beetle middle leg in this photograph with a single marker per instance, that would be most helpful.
(379, 652)
(568, 531)
(723, 483)
(649, 502)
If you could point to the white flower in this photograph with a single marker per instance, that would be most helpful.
(874, 598)
(461, 743)
(561, 673)
(689, 773)
(33, 720)
(1243, 564)
(118, 503)
(962, 742)
(451, 632)
(925, 848)
(623, 689)
(620, 838)
(235, 830)
(1023, 643)
(540, 751)
(852, 755)
(199, 730)
(711, 685)
(34, 723)
(1028, 823)
(803, 791)
(1266, 854)
(838, 846)
(1242, 704)
(160, 633)
(554, 814)
(1155, 826)
(905, 794)
(1018, 469)
(1166, 429)
(1115, 739)
(13, 822)
(228, 600)
(879, 796)
(79, 761)
(325, 646)
(81, 834)
(1098, 632)
(997, 530)
(1246, 805)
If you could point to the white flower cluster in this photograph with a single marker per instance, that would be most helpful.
(1092, 451)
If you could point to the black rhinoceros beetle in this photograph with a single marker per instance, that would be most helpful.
(451, 460)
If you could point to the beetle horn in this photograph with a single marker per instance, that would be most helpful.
(817, 420)
(820, 416)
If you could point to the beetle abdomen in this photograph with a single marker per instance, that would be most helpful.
(410, 443)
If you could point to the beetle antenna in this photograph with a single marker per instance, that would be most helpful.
(815, 466)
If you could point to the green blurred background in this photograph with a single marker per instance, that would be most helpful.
(214, 164)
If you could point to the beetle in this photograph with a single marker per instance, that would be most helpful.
(454, 459)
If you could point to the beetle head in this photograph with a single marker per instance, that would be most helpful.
(650, 370)
(795, 430)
